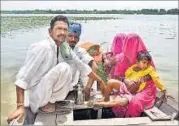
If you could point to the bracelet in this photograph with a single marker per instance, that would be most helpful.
(20, 104)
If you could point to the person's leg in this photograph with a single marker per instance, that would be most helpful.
(120, 109)
(111, 84)
(54, 86)
(142, 100)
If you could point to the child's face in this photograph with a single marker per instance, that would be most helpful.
(143, 64)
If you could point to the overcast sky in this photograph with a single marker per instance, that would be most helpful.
(88, 5)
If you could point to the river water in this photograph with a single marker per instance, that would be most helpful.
(159, 32)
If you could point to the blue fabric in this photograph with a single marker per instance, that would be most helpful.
(75, 27)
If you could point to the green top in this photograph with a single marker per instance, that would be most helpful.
(65, 51)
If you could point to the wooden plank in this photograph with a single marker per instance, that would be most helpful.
(156, 114)
(115, 121)
(172, 100)
(163, 123)
(167, 109)
(45, 119)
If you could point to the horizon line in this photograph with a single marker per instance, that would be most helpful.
(89, 9)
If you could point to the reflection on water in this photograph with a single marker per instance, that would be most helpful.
(159, 32)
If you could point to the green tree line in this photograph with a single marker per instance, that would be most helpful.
(95, 11)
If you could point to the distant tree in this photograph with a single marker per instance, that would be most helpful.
(95, 11)
(173, 11)
(162, 11)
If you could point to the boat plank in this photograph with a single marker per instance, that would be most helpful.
(115, 121)
(162, 123)
(156, 114)
(45, 119)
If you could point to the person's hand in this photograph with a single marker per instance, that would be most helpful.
(132, 86)
(98, 104)
(17, 114)
(165, 95)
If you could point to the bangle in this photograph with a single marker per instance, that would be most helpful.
(20, 104)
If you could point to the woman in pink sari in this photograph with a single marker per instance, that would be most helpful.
(112, 58)
(117, 44)
(145, 99)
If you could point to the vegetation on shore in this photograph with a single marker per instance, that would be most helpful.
(10, 23)
(174, 11)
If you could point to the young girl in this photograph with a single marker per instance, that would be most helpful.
(141, 68)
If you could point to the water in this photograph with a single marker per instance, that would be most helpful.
(159, 32)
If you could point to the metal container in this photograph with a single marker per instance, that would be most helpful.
(79, 93)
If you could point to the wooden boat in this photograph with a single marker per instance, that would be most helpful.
(164, 113)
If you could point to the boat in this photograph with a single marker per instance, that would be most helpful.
(163, 113)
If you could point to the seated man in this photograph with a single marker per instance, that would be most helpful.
(73, 38)
(46, 74)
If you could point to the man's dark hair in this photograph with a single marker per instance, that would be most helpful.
(144, 55)
(58, 18)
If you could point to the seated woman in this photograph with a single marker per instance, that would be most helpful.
(131, 46)
(141, 68)
(123, 51)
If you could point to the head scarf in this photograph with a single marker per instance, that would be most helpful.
(131, 46)
(117, 44)
(75, 28)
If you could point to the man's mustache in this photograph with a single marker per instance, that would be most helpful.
(61, 35)
(72, 42)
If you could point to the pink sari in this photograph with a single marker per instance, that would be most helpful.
(117, 44)
(116, 50)
(144, 99)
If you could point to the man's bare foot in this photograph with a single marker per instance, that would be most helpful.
(50, 107)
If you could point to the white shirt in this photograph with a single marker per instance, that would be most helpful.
(83, 54)
(41, 57)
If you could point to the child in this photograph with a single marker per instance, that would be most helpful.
(138, 70)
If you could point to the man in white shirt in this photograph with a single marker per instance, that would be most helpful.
(73, 37)
(45, 73)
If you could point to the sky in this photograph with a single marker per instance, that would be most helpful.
(87, 5)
